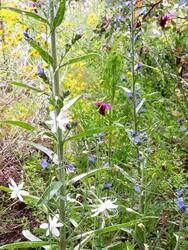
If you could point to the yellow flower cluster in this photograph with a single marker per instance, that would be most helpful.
(75, 82)
(92, 19)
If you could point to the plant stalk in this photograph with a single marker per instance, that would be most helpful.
(60, 146)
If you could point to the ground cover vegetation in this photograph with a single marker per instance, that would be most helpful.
(94, 124)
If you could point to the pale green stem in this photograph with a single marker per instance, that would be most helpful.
(56, 92)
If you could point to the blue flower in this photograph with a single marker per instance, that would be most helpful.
(120, 19)
(139, 66)
(26, 35)
(130, 95)
(137, 188)
(127, 3)
(179, 192)
(71, 168)
(108, 186)
(44, 163)
(182, 2)
(92, 158)
(123, 78)
(40, 70)
(180, 203)
(137, 140)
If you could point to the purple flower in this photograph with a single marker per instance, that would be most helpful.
(26, 35)
(130, 95)
(179, 192)
(120, 19)
(108, 186)
(102, 107)
(40, 70)
(137, 140)
(165, 19)
(186, 210)
(92, 158)
(138, 66)
(182, 2)
(123, 78)
(71, 168)
(137, 188)
(180, 203)
(127, 3)
(44, 163)
(102, 134)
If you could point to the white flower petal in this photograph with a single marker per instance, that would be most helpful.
(20, 197)
(23, 192)
(47, 232)
(59, 224)
(13, 183)
(13, 195)
(55, 232)
(44, 226)
(20, 186)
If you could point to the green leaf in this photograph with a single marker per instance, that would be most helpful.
(29, 236)
(108, 229)
(23, 85)
(29, 14)
(116, 246)
(21, 124)
(60, 14)
(45, 150)
(125, 89)
(125, 174)
(140, 105)
(90, 132)
(51, 190)
(68, 105)
(5, 189)
(117, 227)
(86, 175)
(80, 58)
(44, 54)
(25, 244)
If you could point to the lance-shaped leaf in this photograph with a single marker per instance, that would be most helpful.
(69, 103)
(91, 132)
(109, 229)
(44, 54)
(125, 89)
(79, 58)
(20, 124)
(60, 14)
(29, 236)
(140, 105)
(51, 190)
(23, 85)
(25, 244)
(45, 150)
(27, 13)
(88, 174)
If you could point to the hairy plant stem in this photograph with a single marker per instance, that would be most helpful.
(56, 92)
(132, 66)
(135, 119)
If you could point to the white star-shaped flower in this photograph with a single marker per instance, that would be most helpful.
(62, 121)
(52, 226)
(107, 205)
(17, 191)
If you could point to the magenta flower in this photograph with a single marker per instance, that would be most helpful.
(165, 19)
(103, 107)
